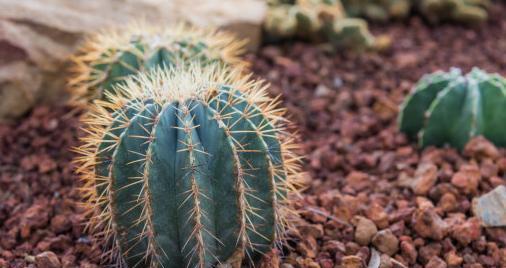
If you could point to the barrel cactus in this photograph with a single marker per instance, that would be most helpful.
(450, 108)
(193, 169)
(108, 58)
(320, 20)
(463, 11)
(378, 10)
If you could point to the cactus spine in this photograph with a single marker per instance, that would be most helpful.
(194, 168)
(450, 108)
(108, 58)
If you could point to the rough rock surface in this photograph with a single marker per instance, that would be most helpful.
(37, 37)
(491, 207)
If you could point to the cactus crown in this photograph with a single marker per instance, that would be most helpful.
(194, 168)
(108, 58)
(450, 108)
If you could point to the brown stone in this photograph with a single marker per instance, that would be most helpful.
(480, 147)
(425, 178)
(386, 242)
(436, 262)
(428, 224)
(453, 259)
(364, 231)
(358, 180)
(47, 259)
(467, 179)
(466, 232)
(377, 214)
(352, 262)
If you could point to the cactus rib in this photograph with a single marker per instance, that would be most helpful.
(109, 57)
(193, 168)
(450, 108)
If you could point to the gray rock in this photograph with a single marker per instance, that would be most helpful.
(490, 208)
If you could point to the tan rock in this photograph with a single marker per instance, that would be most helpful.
(428, 224)
(425, 178)
(243, 17)
(38, 36)
(364, 231)
(386, 242)
(467, 179)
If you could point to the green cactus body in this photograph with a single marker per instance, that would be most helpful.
(281, 21)
(449, 108)
(109, 58)
(317, 20)
(348, 33)
(378, 10)
(189, 171)
(463, 11)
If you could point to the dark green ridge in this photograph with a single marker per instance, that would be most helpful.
(258, 179)
(222, 174)
(494, 118)
(412, 116)
(129, 63)
(127, 169)
(160, 58)
(440, 128)
(191, 175)
(106, 149)
(271, 138)
(164, 192)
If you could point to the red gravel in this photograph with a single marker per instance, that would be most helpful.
(360, 165)
(39, 213)
(370, 187)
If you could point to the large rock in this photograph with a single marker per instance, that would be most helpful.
(38, 36)
(490, 208)
(243, 17)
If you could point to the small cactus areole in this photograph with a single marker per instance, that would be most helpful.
(108, 58)
(193, 169)
(451, 108)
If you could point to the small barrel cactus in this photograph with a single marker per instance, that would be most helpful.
(463, 11)
(450, 108)
(378, 10)
(193, 169)
(108, 58)
(321, 20)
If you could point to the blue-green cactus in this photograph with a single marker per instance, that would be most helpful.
(193, 168)
(451, 108)
(108, 58)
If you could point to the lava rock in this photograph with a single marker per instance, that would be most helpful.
(428, 224)
(47, 259)
(364, 231)
(386, 242)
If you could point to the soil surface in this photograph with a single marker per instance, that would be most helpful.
(370, 190)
